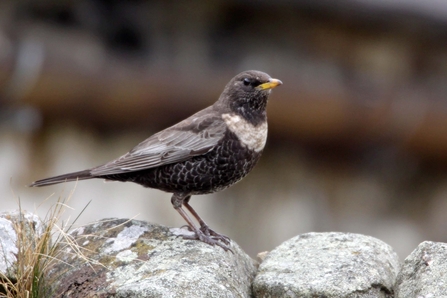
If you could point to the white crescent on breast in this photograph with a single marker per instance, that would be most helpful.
(250, 136)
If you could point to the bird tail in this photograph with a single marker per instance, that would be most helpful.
(81, 175)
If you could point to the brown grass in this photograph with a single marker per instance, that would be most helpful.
(37, 253)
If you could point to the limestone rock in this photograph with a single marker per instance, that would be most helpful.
(10, 223)
(130, 258)
(423, 274)
(328, 265)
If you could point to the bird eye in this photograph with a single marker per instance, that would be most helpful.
(246, 82)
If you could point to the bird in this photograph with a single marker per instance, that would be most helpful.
(205, 153)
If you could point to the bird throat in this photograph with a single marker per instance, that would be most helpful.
(252, 110)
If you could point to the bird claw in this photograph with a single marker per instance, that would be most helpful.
(210, 239)
(214, 235)
(187, 227)
(205, 229)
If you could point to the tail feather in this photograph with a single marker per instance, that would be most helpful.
(81, 175)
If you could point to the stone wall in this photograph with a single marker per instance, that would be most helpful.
(130, 258)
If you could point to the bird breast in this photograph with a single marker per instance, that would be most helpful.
(250, 136)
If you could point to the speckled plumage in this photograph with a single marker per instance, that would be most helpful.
(205, 153)
(214, 171)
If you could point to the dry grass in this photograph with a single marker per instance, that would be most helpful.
(38, 250)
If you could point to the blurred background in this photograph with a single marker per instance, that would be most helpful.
(357, 133)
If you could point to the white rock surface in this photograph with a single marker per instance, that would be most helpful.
(328, 265)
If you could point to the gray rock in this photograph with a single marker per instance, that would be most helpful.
(10, 223)
(328, 265)
(130, 258)
(424, 272)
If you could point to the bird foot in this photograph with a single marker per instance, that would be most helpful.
(215, 239)
(210, 233)
(216, 236)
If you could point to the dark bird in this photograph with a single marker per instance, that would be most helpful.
(205, 153)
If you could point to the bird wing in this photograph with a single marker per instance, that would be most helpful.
(194, 136)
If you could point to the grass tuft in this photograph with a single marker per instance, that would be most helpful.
(40, 245)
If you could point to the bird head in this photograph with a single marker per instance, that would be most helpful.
(247, 94)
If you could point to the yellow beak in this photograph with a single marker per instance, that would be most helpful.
(272, 83)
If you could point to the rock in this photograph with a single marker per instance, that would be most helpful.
(11, 223)
(328, 265)
(423, 274)
(130, 258)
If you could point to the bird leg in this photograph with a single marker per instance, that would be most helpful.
(210, 237)
(203, 226)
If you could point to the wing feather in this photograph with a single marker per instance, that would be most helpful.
(195, 135)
